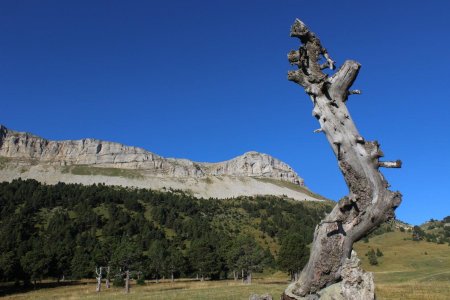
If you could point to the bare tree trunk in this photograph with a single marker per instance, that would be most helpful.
(369, 202)
(171, 277)
(243, 278)
(235, 275)
(127, 281)
(108, 285)
(98, 271)
(295, 276)
(249, 278)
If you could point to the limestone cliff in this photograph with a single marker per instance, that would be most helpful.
(91, 152)
(89, 161)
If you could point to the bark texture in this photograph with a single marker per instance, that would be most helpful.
(369, 202)
(98, 271)
(127, 281)
(107, 277)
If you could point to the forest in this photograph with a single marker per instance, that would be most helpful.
(68, 231)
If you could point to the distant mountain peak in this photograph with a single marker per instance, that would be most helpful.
(35, 154)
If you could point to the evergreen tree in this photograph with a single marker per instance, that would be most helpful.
(61, 230)
(35, 262)
(7, 264)
(157, 259)
(174, 262)
(126, 255)
(372, 257)
(418, 234)
(246, 256)
(59, 243)
(82, 266)
(204, 259)
(379, 253)
(293, 254)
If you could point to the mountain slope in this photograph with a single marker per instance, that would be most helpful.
(89, 161)
(408, 269)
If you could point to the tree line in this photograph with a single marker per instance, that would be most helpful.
(70, 231)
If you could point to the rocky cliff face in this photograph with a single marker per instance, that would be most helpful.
(91, 152)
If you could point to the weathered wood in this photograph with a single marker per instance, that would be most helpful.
(98, 271)
(127, 281)
(108, 285)
(369, 202)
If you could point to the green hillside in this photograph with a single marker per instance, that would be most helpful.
(436, 231)
(66, 230)
(403, 272)
(408, 269)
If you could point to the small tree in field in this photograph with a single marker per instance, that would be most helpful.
(379, 253)
(372, 257)
(418, 234)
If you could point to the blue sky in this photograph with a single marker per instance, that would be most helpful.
(206, 80)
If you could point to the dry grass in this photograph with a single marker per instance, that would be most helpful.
(3, 161)
(164, 290)
(292, 186)
(404, 272)
(408, 269)
(406, 261)
(225, 290)
(439, 290)
(90, 171)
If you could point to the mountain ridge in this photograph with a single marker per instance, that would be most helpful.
(91, 160)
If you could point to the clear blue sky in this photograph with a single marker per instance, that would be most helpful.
(206, 80)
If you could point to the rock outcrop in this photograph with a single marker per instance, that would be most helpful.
(92, 152)
(90, 161)
(356, 283)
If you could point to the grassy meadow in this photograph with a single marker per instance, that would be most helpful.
(178, 290)
(89, 170)
(407, 270)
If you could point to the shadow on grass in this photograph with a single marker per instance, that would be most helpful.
(11, 289)
(276, 282)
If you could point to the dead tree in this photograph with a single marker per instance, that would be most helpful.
(369, 202)
(138, 274)
(108, 285)
(127, 281)
(99, 271)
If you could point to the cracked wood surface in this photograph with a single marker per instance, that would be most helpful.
(369, 202)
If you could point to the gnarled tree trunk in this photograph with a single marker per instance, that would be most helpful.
(369, 202)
